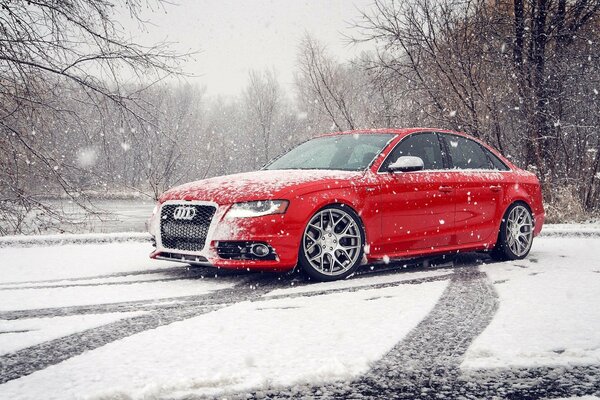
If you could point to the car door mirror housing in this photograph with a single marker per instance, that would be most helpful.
(406, 164)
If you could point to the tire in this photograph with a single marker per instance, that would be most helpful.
(332, 244)
(516, 234)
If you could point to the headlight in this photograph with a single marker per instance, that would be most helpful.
(155, 210)
(257, 208)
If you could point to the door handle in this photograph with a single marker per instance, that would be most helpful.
(495, 188)
(445, 189)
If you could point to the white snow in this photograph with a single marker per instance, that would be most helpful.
(357, 282)
(27, 299)
(247, 345)
(91, 281)
(75, 261)
(591, 229)
(579, 398)
(547, 316)
(548, 313)
(60, 265)
(19, 334)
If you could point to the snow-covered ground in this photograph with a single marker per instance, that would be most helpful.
(102, 321)
(246, 345)
(548, 313)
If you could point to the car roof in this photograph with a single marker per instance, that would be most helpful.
(406, 131)
(394, 131)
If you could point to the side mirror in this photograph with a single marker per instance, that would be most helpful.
(406, 164)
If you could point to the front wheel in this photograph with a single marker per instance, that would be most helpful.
(332, 244)
(516, 234)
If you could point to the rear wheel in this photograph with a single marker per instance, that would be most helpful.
(332, 244)
(516, 234)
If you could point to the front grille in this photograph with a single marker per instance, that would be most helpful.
(185, 234)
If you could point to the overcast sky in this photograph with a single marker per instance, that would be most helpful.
(235, 36)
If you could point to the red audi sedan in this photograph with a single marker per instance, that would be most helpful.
(347, 198)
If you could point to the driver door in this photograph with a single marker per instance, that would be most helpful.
(417, 207)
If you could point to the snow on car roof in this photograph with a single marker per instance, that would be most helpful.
(394, 131)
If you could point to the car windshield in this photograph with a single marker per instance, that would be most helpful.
(346, 152)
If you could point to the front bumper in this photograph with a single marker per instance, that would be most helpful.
(281, 232)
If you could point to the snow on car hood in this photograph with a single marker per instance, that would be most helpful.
(260, 185)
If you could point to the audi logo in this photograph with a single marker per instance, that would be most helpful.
(184, 212)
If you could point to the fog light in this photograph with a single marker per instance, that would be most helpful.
(242, 250)
(259, 250)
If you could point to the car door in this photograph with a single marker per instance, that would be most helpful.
(478, 190)
(417, 208)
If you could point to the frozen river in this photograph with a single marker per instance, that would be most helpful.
(113, 216)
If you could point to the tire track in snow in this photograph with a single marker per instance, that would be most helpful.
(177, 272)
(427, 359)
(159, 312)
(86, 278)
(166, 279)
(416, 281)
(27, 361)
(200, 300)
(426, 363)
(533, 383)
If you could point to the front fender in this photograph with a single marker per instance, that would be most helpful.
(355, 197)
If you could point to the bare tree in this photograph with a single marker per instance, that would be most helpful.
(323, 81)
(263, 101)
(515, 73)
(49, 52)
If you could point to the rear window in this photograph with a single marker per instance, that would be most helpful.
(496, 162)
(467, 154)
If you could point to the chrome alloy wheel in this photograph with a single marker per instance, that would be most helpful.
(519, 230)
(332, 242)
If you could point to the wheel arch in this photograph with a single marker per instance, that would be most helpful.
(342, 204)
(510, 204)
(345, 196)
(504, 210)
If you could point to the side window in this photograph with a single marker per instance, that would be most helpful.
(466, 154)
(424, 145)
(496, 162)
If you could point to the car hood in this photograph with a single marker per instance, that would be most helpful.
(260, 185)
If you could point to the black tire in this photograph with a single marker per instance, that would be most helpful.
(506, 247)
(332, 245)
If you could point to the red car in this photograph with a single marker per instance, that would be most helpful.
(344, 199)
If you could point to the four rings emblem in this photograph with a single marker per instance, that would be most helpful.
(184, 212)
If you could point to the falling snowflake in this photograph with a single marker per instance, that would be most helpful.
(86, 157)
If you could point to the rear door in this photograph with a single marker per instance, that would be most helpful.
(417, 208)
(479, 189)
